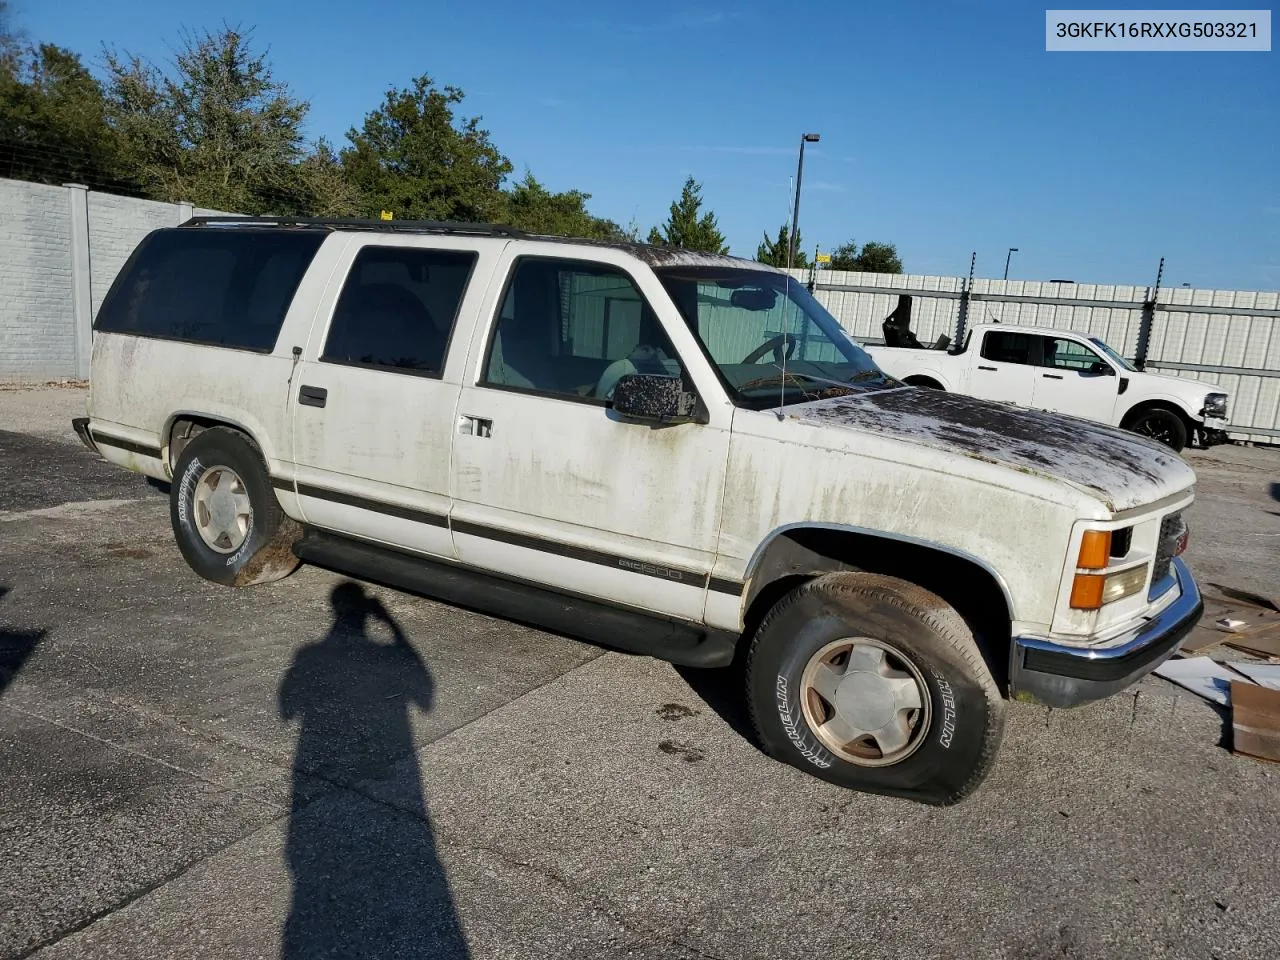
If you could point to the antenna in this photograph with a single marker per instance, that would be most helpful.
(786, 302)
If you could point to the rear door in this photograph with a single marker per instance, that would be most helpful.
(1004, 367)
(375, 393)
(1073, 378)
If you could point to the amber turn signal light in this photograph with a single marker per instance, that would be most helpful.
(1086, 591)
(1095, 550)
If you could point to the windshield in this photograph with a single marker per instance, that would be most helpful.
(1124, 364)
(754, 323)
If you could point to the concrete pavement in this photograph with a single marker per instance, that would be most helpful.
(190, 771)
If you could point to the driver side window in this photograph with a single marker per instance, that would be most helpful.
(573, 328)
(1068, 355)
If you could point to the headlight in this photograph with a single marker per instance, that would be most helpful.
(1215, 405)
(1095, 589)
(1091, 591)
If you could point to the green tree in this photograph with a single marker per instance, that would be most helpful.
(845, 256)
(219, 131)
(53, 122)
(688, 228)
(412, 156)
(530, 206)
(872, 258)
(774, 252)
(323, 188)
(879, 258)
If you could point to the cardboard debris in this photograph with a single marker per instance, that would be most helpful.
(1263, 674)
(1202, 676)
(1238, 619)
(1255, 721)
(1261, 642)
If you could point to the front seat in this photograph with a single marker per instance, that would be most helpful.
(387, 325)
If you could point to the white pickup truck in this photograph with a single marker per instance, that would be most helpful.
(670, 453)
(1065, 372)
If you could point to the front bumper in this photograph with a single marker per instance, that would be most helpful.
(1063, 676)
(1212, 436)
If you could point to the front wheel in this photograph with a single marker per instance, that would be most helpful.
(226, 519)
(1162, 426)
(877, 685)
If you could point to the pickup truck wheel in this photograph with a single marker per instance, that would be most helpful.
(1162, 426)
(875, 684)
(226, 519)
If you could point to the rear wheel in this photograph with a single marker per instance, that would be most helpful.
(877, 685)
(226, 519)
(1162, 426)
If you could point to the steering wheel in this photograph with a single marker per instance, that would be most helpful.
(775, 344)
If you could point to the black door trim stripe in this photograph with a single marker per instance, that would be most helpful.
(585, 554)
(107, 440)
(724, 585)
(364, 503)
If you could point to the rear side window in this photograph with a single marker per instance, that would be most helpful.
(230, 288)
(1010, 347)
(397, 309)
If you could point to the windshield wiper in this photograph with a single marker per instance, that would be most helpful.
(790, 378)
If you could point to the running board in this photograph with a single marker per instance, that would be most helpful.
(686, 644)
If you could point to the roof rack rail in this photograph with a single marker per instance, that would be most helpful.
(346, 223)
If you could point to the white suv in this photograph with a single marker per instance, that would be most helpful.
(665, 452)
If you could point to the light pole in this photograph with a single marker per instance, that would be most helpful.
(795, 210)
(1008, 257)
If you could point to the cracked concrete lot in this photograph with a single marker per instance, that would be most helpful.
(192, 771)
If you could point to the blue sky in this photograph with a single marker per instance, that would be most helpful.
(946, 127)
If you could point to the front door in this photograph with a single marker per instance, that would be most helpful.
(550, 485)
(374, 399)
(1004, 368)
(1073, 379)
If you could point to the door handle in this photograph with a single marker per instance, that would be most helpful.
(1051, 376)
(312, 396)
(470, 426)
(992, 369)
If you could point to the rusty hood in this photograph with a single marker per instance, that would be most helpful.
(1119, 468)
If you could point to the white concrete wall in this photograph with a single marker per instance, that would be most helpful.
(60, 250)
(37, 317)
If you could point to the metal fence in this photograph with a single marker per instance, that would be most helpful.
(1230, 337)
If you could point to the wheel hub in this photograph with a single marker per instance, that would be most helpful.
(866, 701)
(222, 511)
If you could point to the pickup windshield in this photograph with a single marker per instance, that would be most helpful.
(1124, 364)
(769, 339)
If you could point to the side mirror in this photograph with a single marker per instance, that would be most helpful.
(657, 399)
(1103, 368)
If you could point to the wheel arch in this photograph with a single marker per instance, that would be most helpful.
(795, 553)
(1170, 404)
(184, 426)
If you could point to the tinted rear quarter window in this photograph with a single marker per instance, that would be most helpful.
(229, 288)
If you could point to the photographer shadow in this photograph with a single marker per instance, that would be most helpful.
(366, 877)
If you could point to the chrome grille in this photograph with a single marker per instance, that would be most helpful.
(1172, 528)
